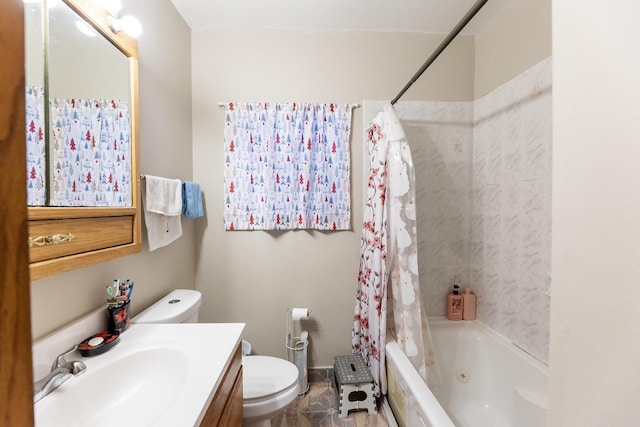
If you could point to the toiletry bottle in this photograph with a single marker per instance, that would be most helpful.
(454, 304)
(468, 305)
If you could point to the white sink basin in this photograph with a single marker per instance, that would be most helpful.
(157, 375)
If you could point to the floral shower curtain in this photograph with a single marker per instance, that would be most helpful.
(389, 254)
(287, 166)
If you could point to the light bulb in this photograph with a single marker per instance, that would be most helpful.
(128, 24)
(131, 26)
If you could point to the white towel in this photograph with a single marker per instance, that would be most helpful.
(164, 196)
(162, 209)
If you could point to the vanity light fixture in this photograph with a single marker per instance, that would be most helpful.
(128, 24)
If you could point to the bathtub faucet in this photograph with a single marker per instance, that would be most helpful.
(61, 370)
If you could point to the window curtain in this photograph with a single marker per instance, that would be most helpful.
(91, 152)
(287, 166)
(388, 254)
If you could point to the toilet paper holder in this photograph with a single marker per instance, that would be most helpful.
(297, 313)
(297, 343)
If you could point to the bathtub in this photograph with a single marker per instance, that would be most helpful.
(486, 381)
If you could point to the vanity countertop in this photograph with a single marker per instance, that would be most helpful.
(158, 374)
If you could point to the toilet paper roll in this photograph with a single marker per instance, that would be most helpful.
(300, 313)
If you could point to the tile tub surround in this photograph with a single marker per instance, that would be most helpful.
(440, 135)
(483, 199)
(510, 244)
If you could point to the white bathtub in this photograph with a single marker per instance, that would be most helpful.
(487, 381)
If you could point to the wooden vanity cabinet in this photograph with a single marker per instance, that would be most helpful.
(63, 239)
(66, 238)
(226, 407)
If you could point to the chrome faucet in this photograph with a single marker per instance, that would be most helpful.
(61, 370)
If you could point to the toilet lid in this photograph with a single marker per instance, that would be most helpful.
(263, 376)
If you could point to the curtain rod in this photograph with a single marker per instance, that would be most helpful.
(463, 22)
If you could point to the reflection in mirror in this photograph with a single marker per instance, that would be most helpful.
(34, 103)
(88, 153)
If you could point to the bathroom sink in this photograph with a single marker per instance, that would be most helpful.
(124, 385)
(158, 374)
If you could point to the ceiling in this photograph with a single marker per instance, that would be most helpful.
(426, 16)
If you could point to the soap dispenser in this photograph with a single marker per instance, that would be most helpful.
(455, 304)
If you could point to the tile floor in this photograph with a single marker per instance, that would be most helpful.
(319, 408)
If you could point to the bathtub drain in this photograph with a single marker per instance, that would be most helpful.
(463, 376)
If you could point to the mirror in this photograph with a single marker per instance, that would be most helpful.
(34, 103)
(81, 134)
(78, 114)
(89, 123)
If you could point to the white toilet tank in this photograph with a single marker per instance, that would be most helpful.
(179, 306)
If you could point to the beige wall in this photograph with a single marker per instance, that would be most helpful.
(254, 277)
(595, 308)
(165, 150)
(518, 37)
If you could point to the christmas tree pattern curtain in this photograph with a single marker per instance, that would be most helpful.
(36, 160)
(287, 166)
(91, 153)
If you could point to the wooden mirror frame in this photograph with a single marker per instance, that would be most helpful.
(99, 234)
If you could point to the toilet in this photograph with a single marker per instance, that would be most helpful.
(269, 384)
(179, 306)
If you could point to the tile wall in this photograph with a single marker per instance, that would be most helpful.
(483, 190)
(510, 242)
(440, 135)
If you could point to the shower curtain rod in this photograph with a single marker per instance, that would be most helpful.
(463, 22)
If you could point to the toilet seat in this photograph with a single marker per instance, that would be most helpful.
(265, 377)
